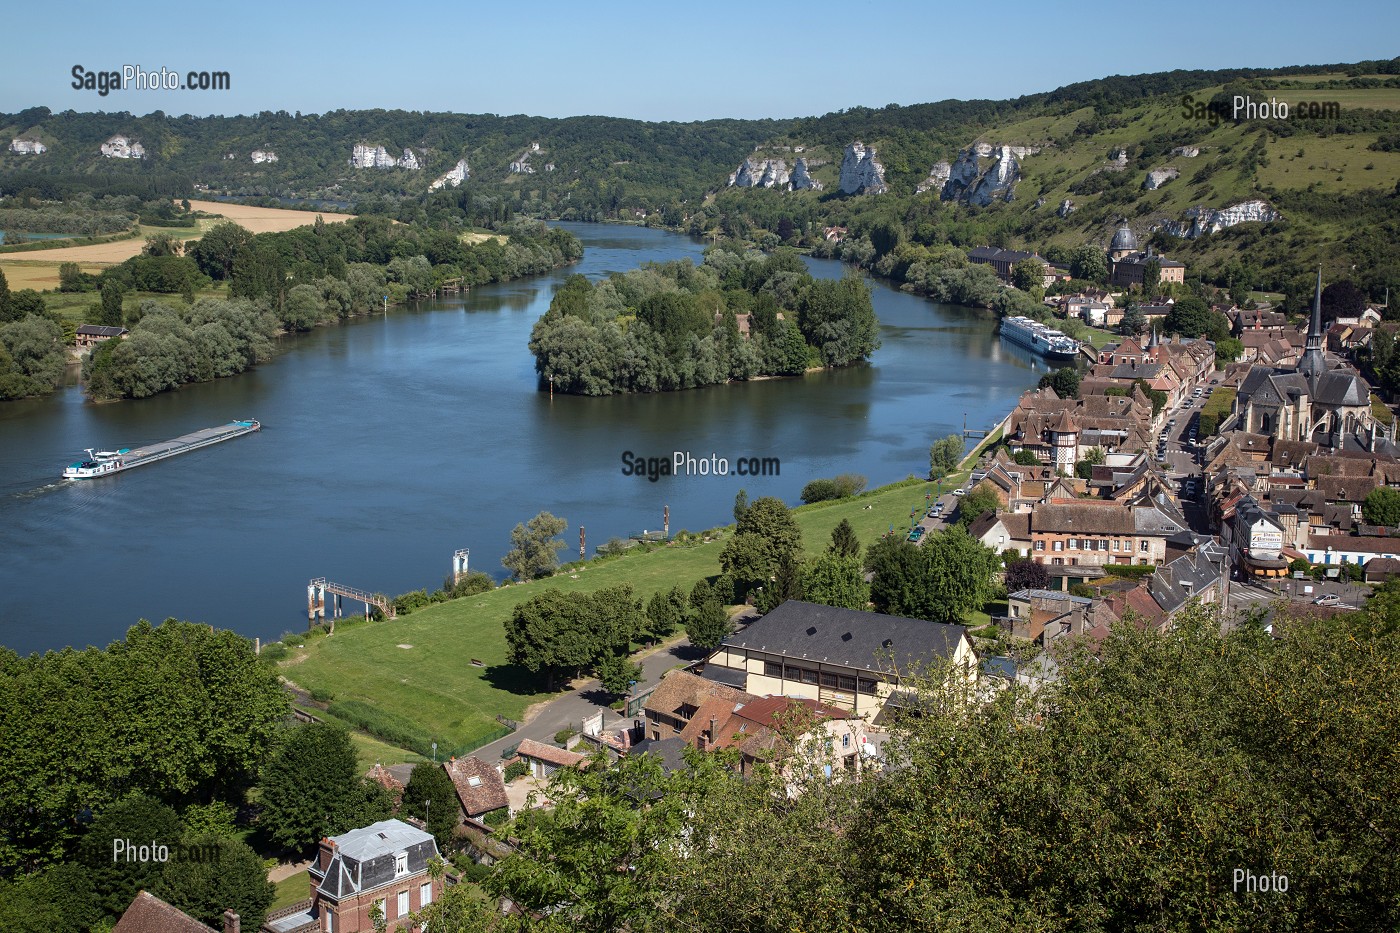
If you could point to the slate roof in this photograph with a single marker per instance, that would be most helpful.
(670, 751)
(1364, 545)
(100, 330)
(862, 640)
(1339, 387)
(150, 914)
(480, 787)
(363, 859)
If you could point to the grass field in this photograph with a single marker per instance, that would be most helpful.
(418, 669)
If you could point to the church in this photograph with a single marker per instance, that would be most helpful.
(1314, 401)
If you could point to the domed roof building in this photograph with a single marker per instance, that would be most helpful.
(1124, 242)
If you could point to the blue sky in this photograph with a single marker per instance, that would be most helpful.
(651, 61)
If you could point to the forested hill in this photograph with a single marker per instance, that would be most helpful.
(1046, 171)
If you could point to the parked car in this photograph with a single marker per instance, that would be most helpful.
(959, 492)
(1327, 599)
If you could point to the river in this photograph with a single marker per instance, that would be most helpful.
(389, 442)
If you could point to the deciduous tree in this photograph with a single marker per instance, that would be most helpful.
(534, 552)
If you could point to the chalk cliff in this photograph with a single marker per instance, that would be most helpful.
(968, 181)
(366, 156)
(861, 171)
(120, 147)
(263, 155)
(28, 146)
(937, 177)
(1159, 177)
(454, 176)
(1200, 221)
(802, 180)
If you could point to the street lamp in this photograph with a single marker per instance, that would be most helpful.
(434, 753)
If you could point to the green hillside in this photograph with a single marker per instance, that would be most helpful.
(1333, 176)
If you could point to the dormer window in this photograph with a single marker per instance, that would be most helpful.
(401, 863)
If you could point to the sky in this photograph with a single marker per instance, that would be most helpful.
(651, 61)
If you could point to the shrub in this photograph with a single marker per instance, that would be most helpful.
(497, 818)
(273, 651)
(322, 695)
(516, 769)
(1131, 571)
(405, 603)
(563, 735)
(383, 725)
(839, 487)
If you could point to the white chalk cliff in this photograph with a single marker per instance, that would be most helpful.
(1159, 177)
(968, 181)
(366, 156)
(1200, 221)
(120, 147)
(260, 156)
(861, 171)
(454, 176)
(802, 179)
(28, 147)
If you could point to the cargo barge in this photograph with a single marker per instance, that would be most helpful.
(107, 462)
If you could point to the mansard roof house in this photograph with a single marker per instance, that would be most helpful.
(385, 863)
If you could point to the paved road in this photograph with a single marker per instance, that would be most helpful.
(578, 704)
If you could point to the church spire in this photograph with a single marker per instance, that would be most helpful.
(1314, 363)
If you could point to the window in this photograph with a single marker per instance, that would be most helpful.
(403, 904)
(1074, 561)
(846, 740)
(828, 680)
(1040, 545)
(425, 894)
(793, 673)
(381, 906)
(1074, 544)
(809, 677)
(1059, 545)
(867, 686)
(772, 669)
(846, 683)
(329, 918)
(1142, 546)
(401, 863)
(1103, 544)
(1115, 544)
(1057, 561)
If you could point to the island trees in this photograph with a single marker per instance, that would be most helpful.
(676, 326)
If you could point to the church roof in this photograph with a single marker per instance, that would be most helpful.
(1124, 238)
(1339, 387)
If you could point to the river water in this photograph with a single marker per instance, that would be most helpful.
(389, 442)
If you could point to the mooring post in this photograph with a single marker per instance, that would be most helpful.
(582, 544)
(666, 521)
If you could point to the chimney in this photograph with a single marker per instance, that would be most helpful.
(711, 733)
(231, 922)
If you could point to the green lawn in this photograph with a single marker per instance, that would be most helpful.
(432, 683)
(291, 890)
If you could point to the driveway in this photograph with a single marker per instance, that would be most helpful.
(587, 698)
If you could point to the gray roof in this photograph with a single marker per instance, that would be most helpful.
(1124, 238)
(100, 330)
(363, 859)
(850, 638)
(1049, 594)
(730, 676)
(1339, 387)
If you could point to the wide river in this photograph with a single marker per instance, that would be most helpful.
(389, 442)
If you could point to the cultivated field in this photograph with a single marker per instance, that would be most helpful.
(256, 219)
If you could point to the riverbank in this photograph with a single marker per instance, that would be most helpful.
(417, 676)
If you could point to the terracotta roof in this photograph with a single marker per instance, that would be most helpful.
(683, 689)
(480, 787)
(539, 751)
(717, 708)
(1347, 488)
(381, 776)
(1086, 517)
(150, 914)
(1356, 543)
